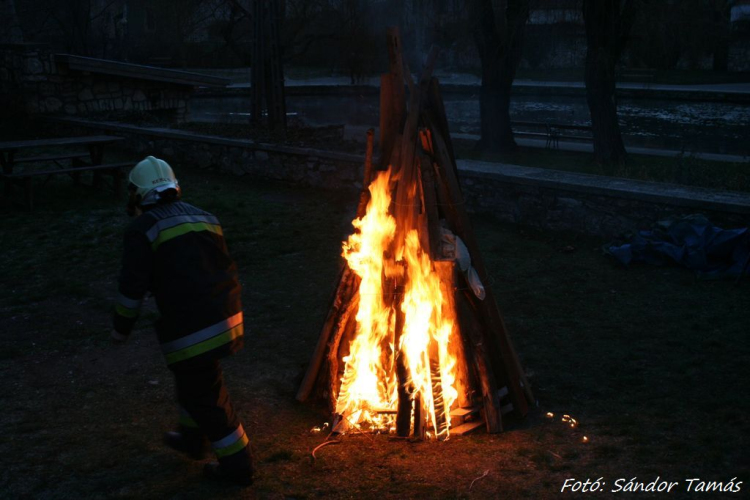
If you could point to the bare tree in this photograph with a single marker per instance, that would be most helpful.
(185, 19)
(268, 67)
(498, 33)
(235, 28)
(10, 28)
(76, 25)
(306, 24)
(608, 24)
(721, 28)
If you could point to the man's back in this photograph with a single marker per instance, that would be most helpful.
(177, 251)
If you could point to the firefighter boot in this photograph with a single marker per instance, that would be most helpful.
(221, 472)
(193, 444)
(236, 468)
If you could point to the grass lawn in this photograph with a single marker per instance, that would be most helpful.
(648, 360)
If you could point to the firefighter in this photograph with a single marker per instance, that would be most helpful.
(177, 252)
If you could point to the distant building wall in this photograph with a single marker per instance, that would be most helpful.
(29, 74)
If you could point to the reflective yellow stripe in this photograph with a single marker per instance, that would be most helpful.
(233, 448)
(201, 335)
(205, 346)
(188, 422)
(185, 228)
(124, 311)
(128, 302)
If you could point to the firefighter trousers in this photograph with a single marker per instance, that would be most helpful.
(206, 412)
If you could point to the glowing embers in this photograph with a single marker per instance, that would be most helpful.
(404, 319)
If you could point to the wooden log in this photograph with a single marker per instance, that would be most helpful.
(463, 414)
(429, 205)
(501, 347)
(392, 98)
(339, 297)
(407, 178)
(482, 363)
(467, 428)
(364, 196)
(447, 272)
(444, 203)
(422, 219)
(436, 110)
(403, 417)
(340, 341)
(419, 418)
(423, 232)
(438, 402)
(395, 58)
(416, 100)
(392, 115)
(367, 175)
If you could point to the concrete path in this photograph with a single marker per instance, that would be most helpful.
(589, 148)
(463, 79)
(358, 133)
(743, 88)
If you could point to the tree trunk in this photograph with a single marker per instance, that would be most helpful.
(600, 96)
(499, 39)
(494, 108)
(267, 65)
(721, 10)
(608, 24)
(10, 32)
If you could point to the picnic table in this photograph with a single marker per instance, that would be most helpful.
(71, 163)
(552, 132)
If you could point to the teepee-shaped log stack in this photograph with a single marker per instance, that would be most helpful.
(415, 145)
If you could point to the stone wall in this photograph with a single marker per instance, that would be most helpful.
(30, 74)
(550, 199)
(533, 197)
(309, 167)
(739, 55)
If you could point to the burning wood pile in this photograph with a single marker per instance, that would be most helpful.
(413, 343)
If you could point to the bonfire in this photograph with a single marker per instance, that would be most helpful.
(413, 343)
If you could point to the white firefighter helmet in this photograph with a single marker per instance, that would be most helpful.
(151, 177)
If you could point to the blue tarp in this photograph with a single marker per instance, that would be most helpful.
(692, 242)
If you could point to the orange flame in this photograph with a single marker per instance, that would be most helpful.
(368, 395)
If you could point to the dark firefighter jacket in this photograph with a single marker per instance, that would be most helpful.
(177, 252)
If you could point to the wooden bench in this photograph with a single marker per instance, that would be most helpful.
(543, 127)
(25, 179)
(637, 75)
(555, 134)
(551, 132)
(75, 162)
(52, 158)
